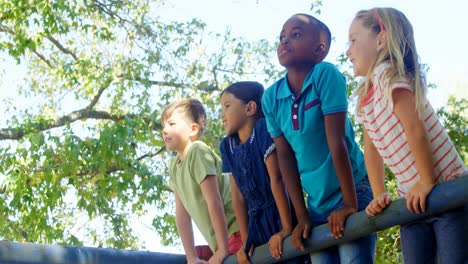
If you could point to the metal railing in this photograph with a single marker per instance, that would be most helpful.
(443, 197)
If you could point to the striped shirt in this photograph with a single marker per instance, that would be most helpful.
(386, 132)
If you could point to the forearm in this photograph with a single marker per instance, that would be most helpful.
(184, 227)
(218, 219)
(421, 149)
(375, 167)
(344, 172)
(281, 200)
(418, 141)
(240, 211)
(288, 168)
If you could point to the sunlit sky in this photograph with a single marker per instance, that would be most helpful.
(440, 32)
(439, 26)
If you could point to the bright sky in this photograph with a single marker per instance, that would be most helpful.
(440, 32)
(438, 28)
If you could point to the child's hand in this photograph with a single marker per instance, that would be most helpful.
(242, 257)
(301, 231)
(337, 219)
(378, 204)
(416, 197)
(276, 243)
(218, 257)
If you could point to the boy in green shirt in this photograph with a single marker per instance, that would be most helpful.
(202, 193)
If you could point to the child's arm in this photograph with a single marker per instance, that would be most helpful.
(405, 109)
(282, 202)
(184, 226)
(209, 188)
(241, 216)
(290, 173)
(335, 131)
(376, 173)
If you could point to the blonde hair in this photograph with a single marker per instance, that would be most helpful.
(191, 108)
(400, 52)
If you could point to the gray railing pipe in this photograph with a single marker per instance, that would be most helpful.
(443, 197)
(30, 253)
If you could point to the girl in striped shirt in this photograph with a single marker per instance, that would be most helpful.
(401, 130)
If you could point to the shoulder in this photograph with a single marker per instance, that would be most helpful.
(261, 124)
(261, 132)
(327, 71)
(272, 89)
(199, 146)
(224, 146)
(381, 69)
(325, 67)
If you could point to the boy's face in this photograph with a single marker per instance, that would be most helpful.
(177, 130)
(299, 41)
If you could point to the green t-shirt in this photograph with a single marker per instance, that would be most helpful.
(185, 178)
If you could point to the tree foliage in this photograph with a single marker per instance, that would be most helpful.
(85, 157)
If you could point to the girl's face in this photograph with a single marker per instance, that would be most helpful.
(363, 48)
(233, 113)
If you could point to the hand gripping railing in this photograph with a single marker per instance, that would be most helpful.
(443, 197)
(446, 196)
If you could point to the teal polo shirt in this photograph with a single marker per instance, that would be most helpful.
(301, 121)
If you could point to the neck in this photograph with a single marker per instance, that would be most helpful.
(183, 151)
(246, 130)
(296, 77)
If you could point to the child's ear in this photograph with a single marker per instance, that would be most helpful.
(194, 129)
(251, 108)
(322, 47)
(381, 40)
(320, 51)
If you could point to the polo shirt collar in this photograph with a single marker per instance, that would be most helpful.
(283, 87)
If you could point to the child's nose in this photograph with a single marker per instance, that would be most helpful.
(347, 52)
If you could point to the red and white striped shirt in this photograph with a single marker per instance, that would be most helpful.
(387, 134)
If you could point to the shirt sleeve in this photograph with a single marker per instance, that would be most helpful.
(331, 88)
(265, 142)
(268, 105)
(202, 162)
(386, 88)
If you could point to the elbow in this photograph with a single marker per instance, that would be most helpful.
(276, 180)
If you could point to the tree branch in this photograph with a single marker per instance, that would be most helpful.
(96, 98)
(18, 133)
(61, 47)
(202, 86)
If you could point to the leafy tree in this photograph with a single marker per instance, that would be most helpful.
(86, 156)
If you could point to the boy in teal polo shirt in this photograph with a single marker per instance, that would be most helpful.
(306, 114)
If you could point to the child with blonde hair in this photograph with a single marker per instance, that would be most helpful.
(402, 130)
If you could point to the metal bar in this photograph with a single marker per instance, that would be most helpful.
(444, 197)
(30, 253)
